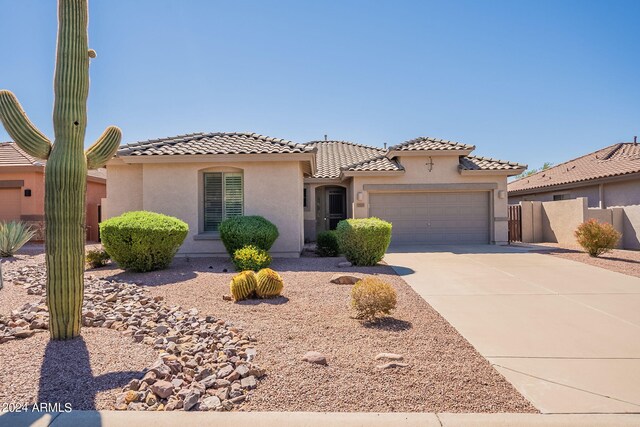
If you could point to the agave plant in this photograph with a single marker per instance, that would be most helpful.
(13, 235)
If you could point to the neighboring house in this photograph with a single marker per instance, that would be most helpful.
(433, 191)
(607, 178)
(22, 191)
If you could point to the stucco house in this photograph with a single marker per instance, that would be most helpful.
(22, 191)
(433, 191)
(606, 178)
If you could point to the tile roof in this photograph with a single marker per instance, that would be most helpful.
(213, 143)
(474, 163)
(379, 164)
(333, 156)
(12, 155)
(427, 143)
(615, 160)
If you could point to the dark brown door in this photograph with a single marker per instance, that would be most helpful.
(336, 207)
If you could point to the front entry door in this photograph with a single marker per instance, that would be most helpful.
(336, 207)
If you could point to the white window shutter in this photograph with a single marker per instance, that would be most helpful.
(233, 195)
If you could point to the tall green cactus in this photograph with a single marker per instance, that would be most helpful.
(66, 168)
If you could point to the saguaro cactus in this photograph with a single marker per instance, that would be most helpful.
(66, 168)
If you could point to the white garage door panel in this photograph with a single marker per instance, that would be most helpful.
(9, 204)
(434, 218)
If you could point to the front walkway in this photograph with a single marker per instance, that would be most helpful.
(565, 334)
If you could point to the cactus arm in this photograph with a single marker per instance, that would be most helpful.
(104, 148)
(20, 128)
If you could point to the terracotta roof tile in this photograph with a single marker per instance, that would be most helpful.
(12, 155)
(427, 143)
(615, 160)
(213, 143)
(333, 156)
(485, 163)
(379, 164)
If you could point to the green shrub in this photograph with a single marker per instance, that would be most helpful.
(363, 241)
(327, 244)
(97, 258)
(13, 235)
(251, 258)
(241, 231)
(143, 241)
(596, 237)
(372, 298)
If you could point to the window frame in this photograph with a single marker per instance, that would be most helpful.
(225, 198)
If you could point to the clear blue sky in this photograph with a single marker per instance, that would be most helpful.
(528, 81)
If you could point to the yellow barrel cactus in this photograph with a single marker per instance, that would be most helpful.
(243, 285)
(269, 284)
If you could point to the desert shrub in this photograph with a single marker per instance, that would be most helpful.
(269, 283)
(596, 237)
(372, 298)
(97, 258)
(141, 240)
(243, 285)
(364, 241)
(241, 231)
(327, 244)
(251, 258)
(13, 235)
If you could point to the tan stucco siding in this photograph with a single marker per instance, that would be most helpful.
(34, 181)
(624, 194)
(124, 189)
(444, 171)
(271, 189)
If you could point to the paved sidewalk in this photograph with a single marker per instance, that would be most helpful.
(308, 419)
(566, 334)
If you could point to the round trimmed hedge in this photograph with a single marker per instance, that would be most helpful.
(141, 240)
(364, 241)
(241, 231)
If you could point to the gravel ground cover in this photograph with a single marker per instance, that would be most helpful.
(620, 260)
(445, 373)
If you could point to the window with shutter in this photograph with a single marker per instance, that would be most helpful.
(223, 198)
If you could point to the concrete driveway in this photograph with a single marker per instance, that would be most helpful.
(565, 334)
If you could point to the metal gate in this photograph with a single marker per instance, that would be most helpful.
(515, 223)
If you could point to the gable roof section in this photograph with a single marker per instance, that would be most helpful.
(614, 160)
(426, 143)
(12, 155)
(213, 143)
(474, 163)
(335, 156)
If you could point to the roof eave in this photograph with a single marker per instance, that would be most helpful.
(416, 153)
(574, 184)
(506, 172)
(371, 173)
(209, 158)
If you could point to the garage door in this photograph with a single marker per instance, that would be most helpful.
(434, 218)
(9, 204)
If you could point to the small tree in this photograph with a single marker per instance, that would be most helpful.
(597, 238)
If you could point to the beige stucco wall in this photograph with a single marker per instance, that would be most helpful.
(445, 171)
(271, 189)
(33, 180)
(626, 195)
(623, 194)
(556, 222)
